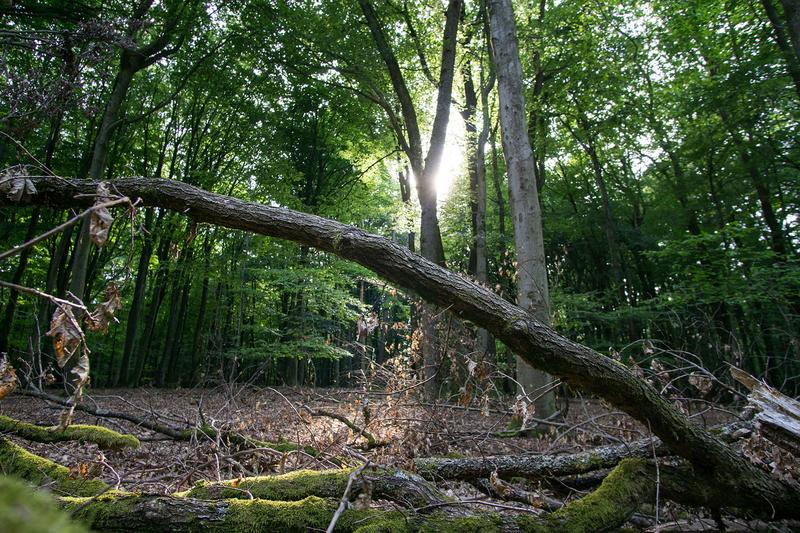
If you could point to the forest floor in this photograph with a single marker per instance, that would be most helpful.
(402, 427)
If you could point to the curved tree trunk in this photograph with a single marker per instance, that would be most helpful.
(531, 339)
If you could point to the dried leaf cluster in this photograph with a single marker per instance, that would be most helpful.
(101, 219)
(8, 377)
(15, 184)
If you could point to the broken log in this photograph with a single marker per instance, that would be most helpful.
(534, 466)
(394, 485)
(777, 415)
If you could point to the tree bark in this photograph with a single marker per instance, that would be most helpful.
(139, 292)
(540, 346)
(425, 171)
(532, 288)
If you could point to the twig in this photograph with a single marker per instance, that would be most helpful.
(71, 222)
(345, 497)
(371, 442)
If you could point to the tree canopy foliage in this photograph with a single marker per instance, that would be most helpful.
(665, 138)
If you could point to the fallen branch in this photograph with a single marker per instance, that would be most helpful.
(359, 432)
(173, 432)
(106, 439)
(398, 486)
(533, 466)
(502, 490)
(344, 503)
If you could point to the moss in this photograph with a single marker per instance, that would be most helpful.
(103, 508)
(288, 517)
(105, 438)
(455, 455)
(20, 463)
(290, 487)
(24, 509)
(386, 524)
(610, 505)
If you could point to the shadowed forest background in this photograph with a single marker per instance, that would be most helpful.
(665, 184)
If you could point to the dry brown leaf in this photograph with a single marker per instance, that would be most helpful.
(14, 182)
(81, 372)
(66, 334)
(8, 377)
(101, 219)
(99, 319)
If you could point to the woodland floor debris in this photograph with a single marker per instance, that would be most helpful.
(164, 466)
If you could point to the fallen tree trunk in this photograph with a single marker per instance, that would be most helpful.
(534, 466)
(305, 500)
(398, 486)
(539, 345)
(240, 505)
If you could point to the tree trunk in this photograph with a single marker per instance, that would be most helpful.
(409, 138)
(779, 28)
(11, 306)
(476, 165)
(532, 288)
(139, 292)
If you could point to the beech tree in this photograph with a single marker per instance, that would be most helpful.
(532, 287)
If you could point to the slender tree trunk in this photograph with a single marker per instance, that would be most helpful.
(139, 292)
(424, 171)
(11, 306)
(142, 350)
(791, 10)
(201, 315)
(779, 34)
(168, 354)
(476, 165)
(532, 287)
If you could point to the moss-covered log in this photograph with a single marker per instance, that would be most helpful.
(17, 462)
(106, 439)
(241, 505)
(394, 485)
(620, 495)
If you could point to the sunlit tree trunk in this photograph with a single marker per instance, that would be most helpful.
(532, 287)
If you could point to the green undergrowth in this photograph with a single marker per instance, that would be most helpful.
(22, 508)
